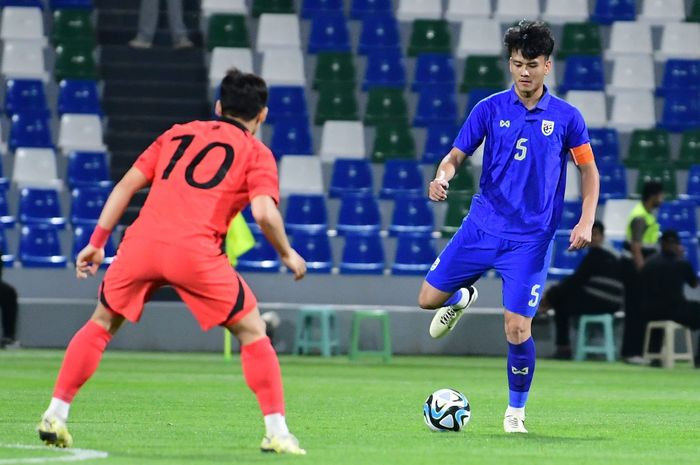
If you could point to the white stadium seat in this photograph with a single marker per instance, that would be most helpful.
(479, 37)
(592, 106)
(35, 168)
(573, 182)
(225, 58)
(632, 72)
(633, 110)
(278, 31)
(300, 174)
(459, 10)
(342, 139)
(615, 217)
(628, 38)
(409, 10)
(211, 7)
(679, 40)
(23, 60)
(80, 132)
(566, 11)
(509, 11)
(283, 67)
(23, 23)
(662, 11)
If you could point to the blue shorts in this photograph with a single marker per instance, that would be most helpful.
(472, 252)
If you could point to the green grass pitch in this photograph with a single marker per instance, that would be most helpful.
(150, 408)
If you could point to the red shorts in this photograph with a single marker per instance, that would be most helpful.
(214, 292)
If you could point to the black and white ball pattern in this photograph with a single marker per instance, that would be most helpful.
(446, 410)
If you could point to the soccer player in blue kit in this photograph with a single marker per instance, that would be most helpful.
(511, 224)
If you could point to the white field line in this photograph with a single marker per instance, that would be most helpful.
(56, 455)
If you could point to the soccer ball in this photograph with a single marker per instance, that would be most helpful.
(446, 410)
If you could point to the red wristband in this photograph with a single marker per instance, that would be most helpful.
(99, 237)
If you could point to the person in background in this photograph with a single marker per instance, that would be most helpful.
(8, 305)
(148, 21)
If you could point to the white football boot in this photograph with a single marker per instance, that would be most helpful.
(514, 424)
(447, 317)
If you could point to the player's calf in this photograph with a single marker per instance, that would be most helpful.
(447, 317)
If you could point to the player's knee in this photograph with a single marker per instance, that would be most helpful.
(517, 330)
(427, 301)
(249, 329)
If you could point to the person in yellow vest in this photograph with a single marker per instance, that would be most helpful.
(641, 241)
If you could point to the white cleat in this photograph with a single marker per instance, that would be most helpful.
(282, 444)
(447, 317)
(514, 424)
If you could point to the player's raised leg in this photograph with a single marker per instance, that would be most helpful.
(521, 369)
(82, 358)
(450, 307)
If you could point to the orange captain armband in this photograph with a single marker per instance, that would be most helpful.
(582, 154)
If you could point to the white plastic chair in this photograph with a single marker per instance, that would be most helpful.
(459, 10)
(479, 37)
(80, 132)
(283, 67)
(409, 10)
(615, 217)
(36, 168)
(566, 11)
(633, 110)
(300, 174)
(592, 106)
(342, 139)
(23, 23)
(679, 40)
(225, 58)
(632, 72)
(628, 38)
(278, 31)
(23, 60)
(508, 11)
(662, 11)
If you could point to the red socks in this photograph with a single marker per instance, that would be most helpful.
(261, 370)
(81, 360)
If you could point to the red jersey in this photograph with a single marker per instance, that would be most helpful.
(202, 174)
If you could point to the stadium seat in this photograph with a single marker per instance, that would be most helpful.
(662, 11)
(648, 146)
(224, 58)
(23, 60)
(315, 249)
(292, 136)
(342, 139)
(436, 105)
(212, 7)
(629, 38)
(690, 149)
(565, 11)
(605, 145)
(681, 112)
(87, 204)
(680, 76)
(351, 176)
(679, 40)
(74, 61)
(414, 255)
(409, 10)
(76, 4)
(334, 68)
(573, 182)
(312, 8)
(362, 255)
(632, 110)
(692, 189)
(4, 181)
(479, 37)
(22, 24)
(379, 32)
(6, 219)
(8, 259)
(384, 69)
(80, 132)
(632, 72)
(29, 130)
(458, 204)
(393, 141)
(678, 215)
(72, 25)
(610, 11)
(35, 167)
(88, 169)
(359, 214)
(272, 6)
(580, 39)
(385, 105)
(25, 95)
(592, 106)
(278, 31)
(300, 175)
(40, 247)
(483, 72)
(613, 182)
(659, 173)
(434, 69)
(283, 68)
(23, 3)
(459, 10)
(329, 33)
(285, 102)
(78, 96)
(463, 180)
(227, 30)
(401, 177)
(429, 36)
(583, 73)
(361, 9)
(616, 217)
(694, 15)
(564, 261)
(475, 96)
(40, 206)
(509, 11)
(336, 102)
(81, 238)
(570, 215)
(261, 258)
(306, 213)
(412, 215)
(438, 142)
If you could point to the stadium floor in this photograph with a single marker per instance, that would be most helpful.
(153, 408)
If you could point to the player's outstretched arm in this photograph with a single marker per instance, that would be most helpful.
(590, 188)
(269, 219)
(437, 190)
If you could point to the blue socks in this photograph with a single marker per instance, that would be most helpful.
(454, 298)
(521, 369)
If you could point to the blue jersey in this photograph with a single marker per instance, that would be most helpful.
(524, 169)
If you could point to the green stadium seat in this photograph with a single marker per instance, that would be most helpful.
(458, 204)
(660, 173)
(429, 36)
(580, 39)
(386, 105)
(74, 61)
(463, 181)
(694, 15)
(648, 146)
(334, 67)
(393, 141)
(228, 31)
(272, 6)
(336, 102)
(72, 26)
(690, 150)
(483, 72)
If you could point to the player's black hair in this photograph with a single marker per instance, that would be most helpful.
(599, 226)
(243, 95)
(531, 38)
(670, 237)
(650, 189)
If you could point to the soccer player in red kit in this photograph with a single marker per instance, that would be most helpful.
(201, 174)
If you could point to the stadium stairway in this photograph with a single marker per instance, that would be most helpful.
(147, 91)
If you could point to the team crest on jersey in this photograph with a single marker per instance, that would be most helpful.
(547, 127)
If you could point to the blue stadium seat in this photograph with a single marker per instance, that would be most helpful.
(438, 142)
(40, 206)
(8, 259)
(436, 105)
(605, 145)
(583, 73)
(306, 213)
(40, 247)
(30, 130)
(384, 69)
(475, 96)
(292, 136)
(570, 215)
(351, 175)
(87, 204)
(613, 182)
(79, 96)
(678, 215)
(363, 255)
(359, 214)
(25, 3)
(329, 33)
(81, 237)
(693, 187)
(564, 261)
(25, 95)
(262, 257)
(250, 221)
(312, 8)
(6, 219)
(380, 32)
(82, 4)
(401, 177)
(412, 215)
(680, 76)
(86, 169)
(681, 111)
(315, 249)
(690, 244)
(414, 255)
(434, 69)
(284, 102)
(609, 11)
(360, 9)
